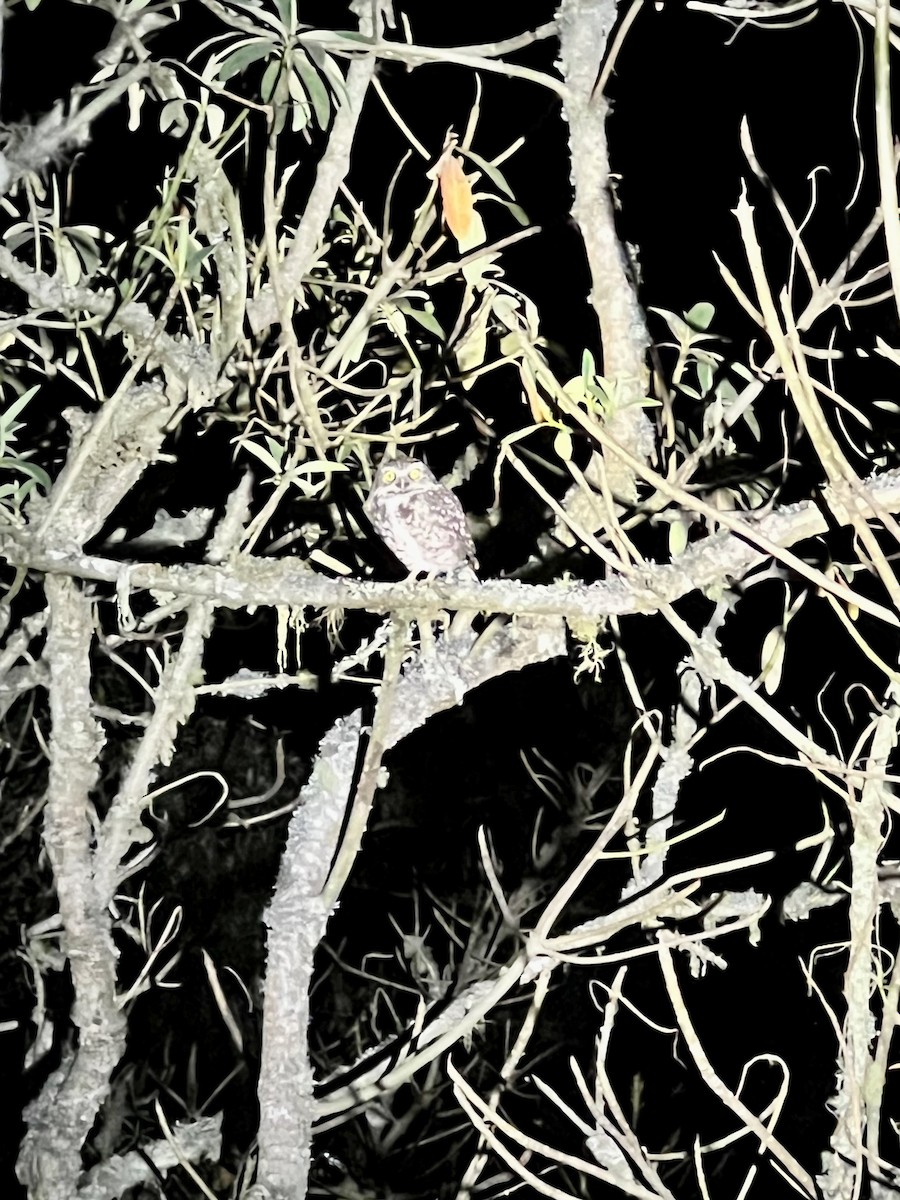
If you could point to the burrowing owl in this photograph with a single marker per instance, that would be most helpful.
(418, 518)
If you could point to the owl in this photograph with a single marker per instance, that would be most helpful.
(418, 518)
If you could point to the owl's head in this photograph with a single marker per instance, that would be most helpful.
(403, 474)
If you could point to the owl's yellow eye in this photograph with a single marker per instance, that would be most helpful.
(415, 473)
(389, 475)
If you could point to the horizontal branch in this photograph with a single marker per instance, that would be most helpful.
(249, 581)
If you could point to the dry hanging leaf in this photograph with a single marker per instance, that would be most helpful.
(459, 204)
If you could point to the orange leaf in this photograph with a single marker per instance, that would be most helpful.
(456, 197)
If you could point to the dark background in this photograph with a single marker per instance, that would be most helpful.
(682, 84)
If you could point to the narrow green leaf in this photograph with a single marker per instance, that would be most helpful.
(493, 173)
(12, 410)
(678, 538)
(314, 88)
(241, 58)
(424, 317)
(24, 467)
(287, 14)
(270, 79)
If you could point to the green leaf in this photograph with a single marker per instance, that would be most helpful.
(197, 256)
(165, 259)
(562, 445)
(268, 459)
(678, 538)
(726, 392)
(215, 121)
(496, 177)
(287, 14)
(689, 328)
(772, 659)
(270, 79)
(424, 317)
(12, 410)
(32, 470)
(674, 322)
(517, 211)
(752, 423)
(701, 315)
(241, 58)
(173, 117)
(314, 88)
(331, 72)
